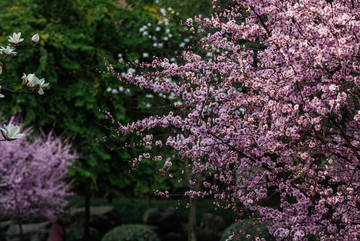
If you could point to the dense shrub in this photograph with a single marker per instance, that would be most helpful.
(248, 231)
(131, 232)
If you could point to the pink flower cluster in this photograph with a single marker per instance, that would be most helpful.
(274, 112)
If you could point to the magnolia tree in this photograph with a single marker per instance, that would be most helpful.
(29, 81)
(32, 176)
(274, 111)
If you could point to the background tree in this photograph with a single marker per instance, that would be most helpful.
(75, 37)
(71, 49)
(272, 111)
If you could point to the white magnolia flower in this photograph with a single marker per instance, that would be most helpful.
(41, 84)
(7, 51)
(10, 132)
(34, 82)
(35, 38)
(28, 80)
(15, 38)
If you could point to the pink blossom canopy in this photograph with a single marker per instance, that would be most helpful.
(274, 111)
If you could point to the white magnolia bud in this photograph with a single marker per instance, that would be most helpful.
(35, 38)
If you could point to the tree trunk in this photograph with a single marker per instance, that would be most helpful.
(87, 216)
(192, 220)
(21, 229)
(192, 202)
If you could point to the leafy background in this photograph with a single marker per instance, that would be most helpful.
(76, 38)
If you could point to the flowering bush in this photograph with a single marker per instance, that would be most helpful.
(272, 111)
(32, 176)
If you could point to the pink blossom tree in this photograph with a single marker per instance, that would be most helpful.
(32, 176)
(269, 107)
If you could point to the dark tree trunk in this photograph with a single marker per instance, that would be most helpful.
(21, 229)
(192, 202)
(192, 220)
(87, 216)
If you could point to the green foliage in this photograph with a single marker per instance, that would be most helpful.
(75, 37)
(68, 47)
(254, 229)
(131, 232)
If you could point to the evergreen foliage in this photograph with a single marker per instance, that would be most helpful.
(247, 231)
(131, 232)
